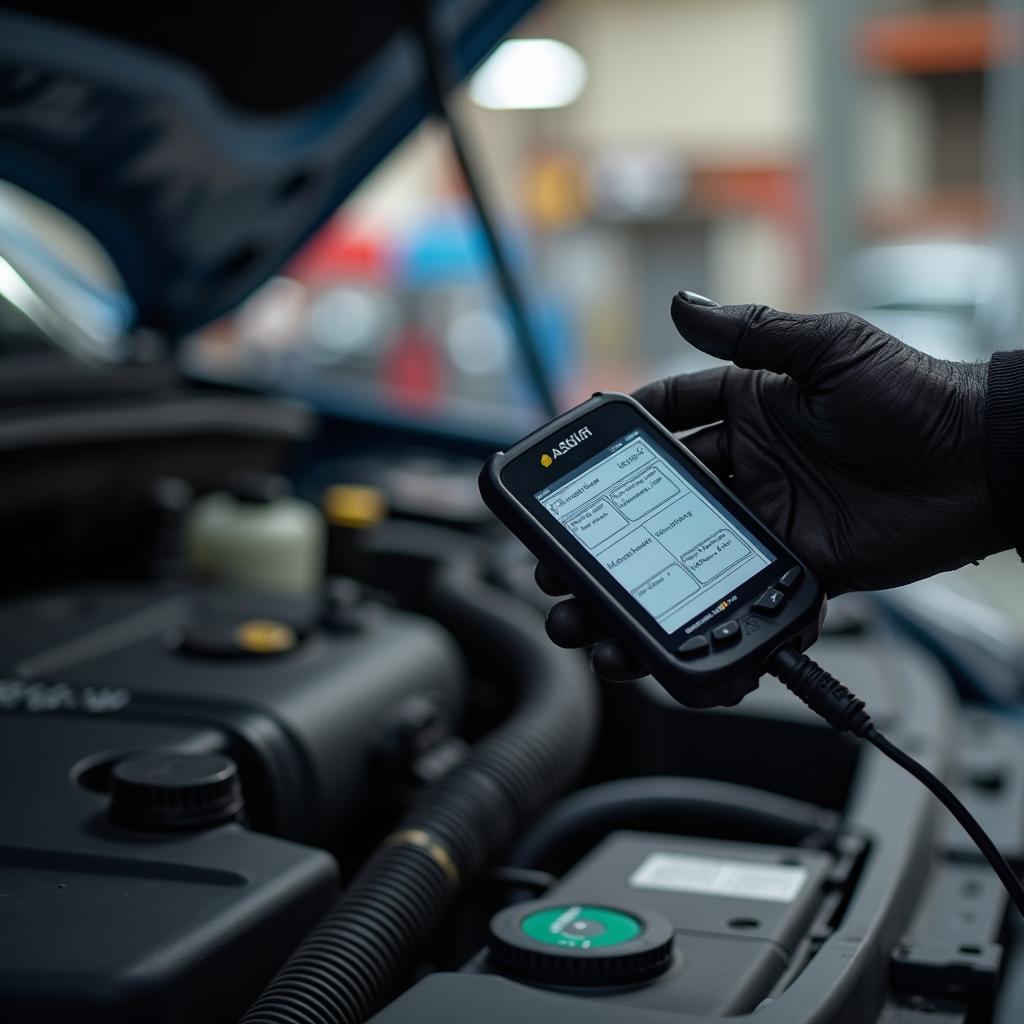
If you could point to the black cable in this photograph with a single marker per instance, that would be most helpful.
(956, 808)
(440, 82)
(826, 696)
(722, 810)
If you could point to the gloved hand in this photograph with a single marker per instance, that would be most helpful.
(864, 454)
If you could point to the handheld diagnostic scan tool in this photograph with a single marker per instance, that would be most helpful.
(656, 548)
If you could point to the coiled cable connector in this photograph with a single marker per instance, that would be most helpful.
(821, 692)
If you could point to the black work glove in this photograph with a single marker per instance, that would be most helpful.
(864, 454)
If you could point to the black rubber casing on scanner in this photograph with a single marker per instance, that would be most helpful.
(724, 675)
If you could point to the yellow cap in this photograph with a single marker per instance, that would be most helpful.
(265, 636)
(354, 506)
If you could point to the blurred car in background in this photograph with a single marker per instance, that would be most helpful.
(951, 299)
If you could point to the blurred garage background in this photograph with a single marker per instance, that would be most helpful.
(808, 154)
(805, 154)
(798, 153)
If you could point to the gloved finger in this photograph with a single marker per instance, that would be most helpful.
(611, 661)
(760, 338)
(711, 446)
(689, 400)
(569, 625)
(549, 581)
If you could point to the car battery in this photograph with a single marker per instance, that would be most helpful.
(666, 923)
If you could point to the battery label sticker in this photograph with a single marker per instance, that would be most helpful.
(713, 876)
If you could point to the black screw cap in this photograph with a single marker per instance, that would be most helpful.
(163, 792)
(588, 952)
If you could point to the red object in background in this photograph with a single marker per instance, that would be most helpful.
(934, 42)
(340, 252)
(412, 372)
(778, 191)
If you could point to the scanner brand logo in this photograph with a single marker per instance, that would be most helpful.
(566, 445)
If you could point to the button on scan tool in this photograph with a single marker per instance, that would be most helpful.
(725, 634)
(769, 602)
(694, 647)
(790, 579)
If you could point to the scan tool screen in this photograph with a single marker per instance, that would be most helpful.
(675, 549)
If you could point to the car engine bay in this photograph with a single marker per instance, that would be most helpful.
(325, 791)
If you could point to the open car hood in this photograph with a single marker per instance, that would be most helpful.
(203, 146)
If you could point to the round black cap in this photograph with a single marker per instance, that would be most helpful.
(257, 488)
(162, 792)
(558, 943)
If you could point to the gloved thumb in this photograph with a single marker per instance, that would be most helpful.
(757, 337)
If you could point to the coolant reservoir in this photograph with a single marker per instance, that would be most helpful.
(258, 536)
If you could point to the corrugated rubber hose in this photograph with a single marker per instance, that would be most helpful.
(366, 946)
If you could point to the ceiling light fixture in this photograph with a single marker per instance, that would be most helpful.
(529, 74)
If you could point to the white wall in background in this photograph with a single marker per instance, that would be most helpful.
(721, 77)
(895, 124)
(750, 260)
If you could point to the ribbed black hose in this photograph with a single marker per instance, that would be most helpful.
(366, 946)
(675, 805)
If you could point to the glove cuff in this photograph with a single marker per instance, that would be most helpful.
(1004, 443)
